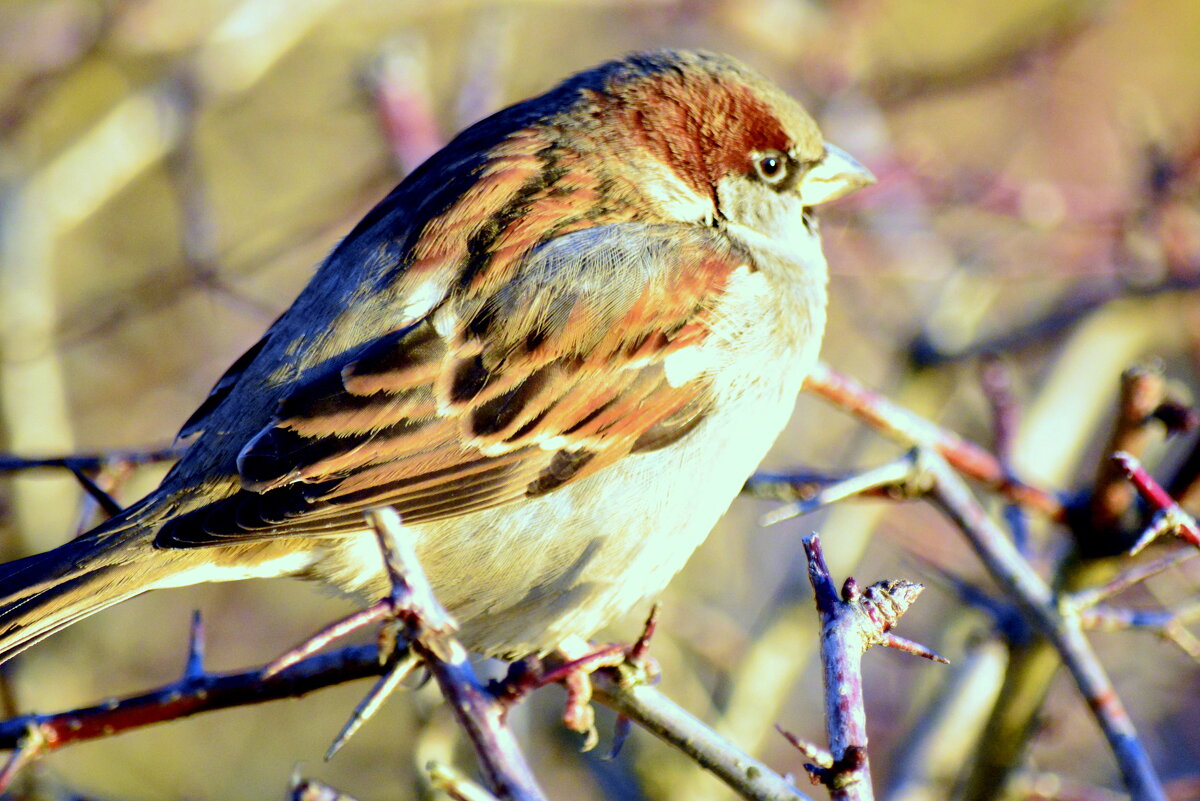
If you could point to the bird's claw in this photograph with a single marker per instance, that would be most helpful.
(575, 663)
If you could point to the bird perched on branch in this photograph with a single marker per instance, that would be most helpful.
(558, 349)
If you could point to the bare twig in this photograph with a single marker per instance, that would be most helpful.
(1100, 527)
(200, 693)
(850, 624)
(662, 717)
(88, 462)
(1133, 575)
(1001, 558)
(1035, 598)
(902, 478)
(102, 498)
(901, 424)
(996, 382)
(1168, 624)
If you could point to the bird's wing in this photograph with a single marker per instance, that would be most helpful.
(557, 372)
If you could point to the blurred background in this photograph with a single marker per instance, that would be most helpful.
(171, 172)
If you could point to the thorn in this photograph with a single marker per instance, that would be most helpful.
(621, 731)
(327, 635)
(193, 668)
(450, 781)
(28, 748)
(1176, 633)
(1161, 525)
(889, 640)
(810, 751)
(369, 705)
(637, 653)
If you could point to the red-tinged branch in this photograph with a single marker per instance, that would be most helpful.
(1174, 518)
(189, 696)
(901, 424)
(32, 735)
(1061, 628)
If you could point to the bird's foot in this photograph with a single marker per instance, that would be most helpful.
(572, 665)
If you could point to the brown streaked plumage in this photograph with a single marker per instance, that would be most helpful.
(557, 349)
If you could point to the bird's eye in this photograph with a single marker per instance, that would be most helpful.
(771, 166)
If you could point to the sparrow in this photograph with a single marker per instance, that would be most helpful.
(558, 348)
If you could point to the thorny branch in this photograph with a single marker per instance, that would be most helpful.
(1037, 601)
(851, 622)
(37, 735)
(944, 454)
(429, 631)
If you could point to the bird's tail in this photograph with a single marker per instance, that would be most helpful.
(42, 594)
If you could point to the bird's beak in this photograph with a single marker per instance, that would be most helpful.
(836, 175)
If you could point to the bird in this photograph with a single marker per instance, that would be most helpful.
(557, 349)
